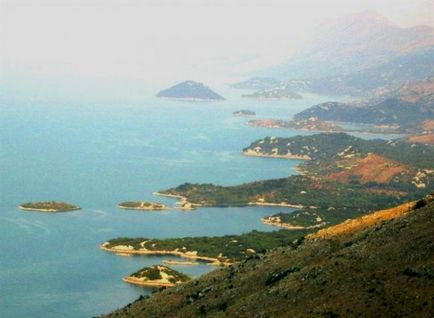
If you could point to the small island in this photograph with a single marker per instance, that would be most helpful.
(48, 206)
(244, 113)
(141, 205)
(156, 276)
(190, 90)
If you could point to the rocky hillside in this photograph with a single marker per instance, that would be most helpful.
(405, 108)
(426, 135)
(385, 76)
(427, 139)
(342, 176)
(341, 146)
(354, 55)
(381, 265)
(354, 43)
(348, 159)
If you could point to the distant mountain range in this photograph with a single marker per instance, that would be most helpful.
(190, 90)
(354, 43)
(406, 108)
(354, 56)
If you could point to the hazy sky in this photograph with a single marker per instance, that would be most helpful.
(166, 41)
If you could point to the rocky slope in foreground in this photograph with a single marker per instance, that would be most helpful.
(380, 265)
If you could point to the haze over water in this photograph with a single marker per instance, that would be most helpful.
(79, 123)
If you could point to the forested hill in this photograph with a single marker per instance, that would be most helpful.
(335, 146)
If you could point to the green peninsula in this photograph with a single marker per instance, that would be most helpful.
(342, 176)
(217, 250)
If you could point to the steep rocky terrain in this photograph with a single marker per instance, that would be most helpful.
(357, 54)
(373, 168)
(353, 43)
(427, 139)
(406, 108)
(427, 134)
(380, 265)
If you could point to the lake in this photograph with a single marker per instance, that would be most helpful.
(96, 152)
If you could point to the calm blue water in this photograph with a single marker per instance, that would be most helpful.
(95, 153)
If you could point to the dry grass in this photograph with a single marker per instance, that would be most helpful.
(372, 168)
(359, 224)
(422, 139)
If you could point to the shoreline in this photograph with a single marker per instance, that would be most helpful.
(192, 99)
(185, 263)
(184, 200)
(299, 170)
(176, 196)
(141, 208)
(272, 125)
(244, 116)
(289, 226)
(282, 204)
(186, 255)
(182, 203)
(291, 157)
(137, 281)
(271, 99)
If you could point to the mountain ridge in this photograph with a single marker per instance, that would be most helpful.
(354, 55)
(406, 107)
(354, 42)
